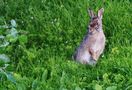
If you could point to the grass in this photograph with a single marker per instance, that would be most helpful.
(49, 32)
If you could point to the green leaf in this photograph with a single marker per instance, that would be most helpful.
(13, 23)
(98, 87)
(11, 39)
(23, 39)
(35, 84)
(3, 42)
(44, 75)
(111, 88)
(10, 77)
(12, 35)
(4, 58)
(21, 86)
(77, 88)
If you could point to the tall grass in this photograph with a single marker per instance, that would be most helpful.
(49, 32)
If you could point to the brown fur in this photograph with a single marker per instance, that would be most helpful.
(93, 43)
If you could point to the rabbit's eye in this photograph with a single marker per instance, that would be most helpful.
(92, 25)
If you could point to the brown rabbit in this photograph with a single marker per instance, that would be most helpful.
(93, 43)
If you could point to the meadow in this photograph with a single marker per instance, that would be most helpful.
(39, 37)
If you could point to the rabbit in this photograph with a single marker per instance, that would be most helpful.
(93, 43)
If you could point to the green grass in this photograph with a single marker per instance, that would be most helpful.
(49, 32)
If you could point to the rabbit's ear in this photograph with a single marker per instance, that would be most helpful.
(100, 13)
(91, 13)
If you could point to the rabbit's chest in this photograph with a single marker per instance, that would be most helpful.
(98, 42)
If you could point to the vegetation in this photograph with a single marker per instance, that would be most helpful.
(38, 38)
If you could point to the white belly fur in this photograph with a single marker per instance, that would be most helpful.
(86, 57)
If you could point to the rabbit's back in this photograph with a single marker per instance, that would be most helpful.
(82, 55)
